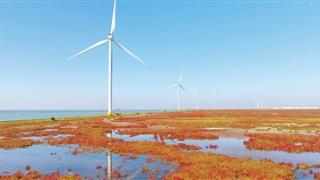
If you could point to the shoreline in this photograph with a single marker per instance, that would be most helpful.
(16, 115)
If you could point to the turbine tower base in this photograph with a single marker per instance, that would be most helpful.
(109, 114)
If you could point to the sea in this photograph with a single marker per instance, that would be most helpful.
(10, 115)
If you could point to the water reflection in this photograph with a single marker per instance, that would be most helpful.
(98, 165)
(109, 135)
(233, 147)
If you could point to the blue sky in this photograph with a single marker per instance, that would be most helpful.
(246, 51)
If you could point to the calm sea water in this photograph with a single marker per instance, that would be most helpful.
(22, 115)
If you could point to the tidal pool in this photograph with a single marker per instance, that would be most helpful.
(48, 159)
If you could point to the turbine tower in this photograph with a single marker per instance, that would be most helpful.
(235, 104)
(178, 84)
(197, 98)
(214, 101)
(260, 104)
(110, 40)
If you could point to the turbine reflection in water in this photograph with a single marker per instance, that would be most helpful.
(109, 135)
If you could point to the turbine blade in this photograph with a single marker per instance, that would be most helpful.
(91, 47)
(180, 77)
(130, 53)
(113, 22)
(175, 85)
(183, 89)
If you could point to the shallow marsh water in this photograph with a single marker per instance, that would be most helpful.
(234, 147)
(48, 159)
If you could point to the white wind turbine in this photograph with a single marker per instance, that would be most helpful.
(110, 40)
(196, 98)
(178, 84)
(260, 104)
(214, 101)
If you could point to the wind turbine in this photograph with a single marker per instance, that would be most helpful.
(260, 104)
(110, 40)
(197, 98)
(235, 104)
(214, 101)
(178, 84)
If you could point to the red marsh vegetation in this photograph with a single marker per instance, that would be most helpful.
(90, 132)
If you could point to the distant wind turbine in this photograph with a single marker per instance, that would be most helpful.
(197, 98)
(110, 39)
(178, 84)
(260, 104)
(235, 104)
(214, 101)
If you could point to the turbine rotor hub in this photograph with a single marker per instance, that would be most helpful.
(110, 37)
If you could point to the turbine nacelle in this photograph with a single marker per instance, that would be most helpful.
(110, 37)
